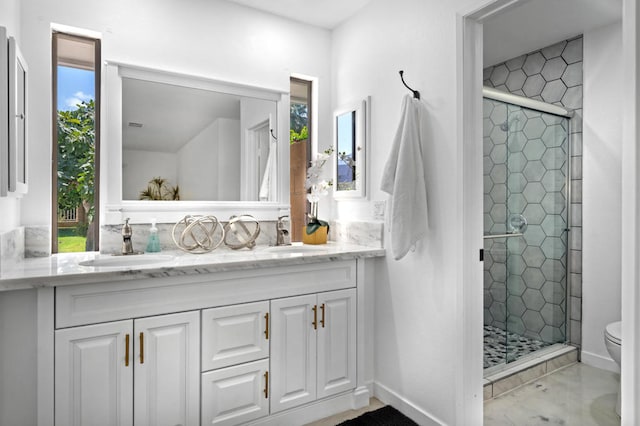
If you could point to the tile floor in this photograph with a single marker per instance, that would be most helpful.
(577, 395)
(374, 404)
(500, 344)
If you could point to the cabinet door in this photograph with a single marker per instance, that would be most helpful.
(234, 335)
(235, 395)
(94, 375)
(167, 370)
(293, 352)
(336, 342)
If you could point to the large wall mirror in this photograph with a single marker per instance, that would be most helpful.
(350, 142)
(188, 144)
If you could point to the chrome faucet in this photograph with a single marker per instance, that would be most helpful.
(281, 232)
(127, 246)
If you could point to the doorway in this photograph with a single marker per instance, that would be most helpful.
(471, 36)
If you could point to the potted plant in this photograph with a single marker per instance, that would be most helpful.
(316, 230)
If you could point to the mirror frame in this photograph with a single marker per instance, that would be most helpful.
(361, 110)
(114, 209)
(14, 112)
(4, 113)
(18, 119)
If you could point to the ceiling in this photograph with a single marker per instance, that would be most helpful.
(528, 26)
(540, 23)
(164, 117)
(325, 14)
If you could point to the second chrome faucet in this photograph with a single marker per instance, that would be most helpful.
(282, 234)
(127, 246)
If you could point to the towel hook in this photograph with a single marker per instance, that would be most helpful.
(416, 94)
(272, 135)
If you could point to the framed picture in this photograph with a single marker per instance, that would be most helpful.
(17, 152)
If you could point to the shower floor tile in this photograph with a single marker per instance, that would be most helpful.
(501, 346)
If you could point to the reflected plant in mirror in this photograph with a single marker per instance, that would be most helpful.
(159, 189)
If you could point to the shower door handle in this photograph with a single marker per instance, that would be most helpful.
(491, 236)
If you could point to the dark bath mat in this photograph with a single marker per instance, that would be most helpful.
(385, 416)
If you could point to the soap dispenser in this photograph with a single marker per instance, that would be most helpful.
(153, 244)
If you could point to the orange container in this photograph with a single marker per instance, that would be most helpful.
(318, 237)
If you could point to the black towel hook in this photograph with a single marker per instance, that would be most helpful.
(416, 94)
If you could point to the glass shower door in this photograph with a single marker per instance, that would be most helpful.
(495, 240)
(537, 193)
(525, 226)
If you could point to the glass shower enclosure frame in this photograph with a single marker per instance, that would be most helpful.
(526, 224)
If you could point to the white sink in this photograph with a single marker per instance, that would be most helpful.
(127, 261)
(296, 249)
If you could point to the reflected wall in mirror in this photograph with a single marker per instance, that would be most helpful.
(212, 146)
(350, 130)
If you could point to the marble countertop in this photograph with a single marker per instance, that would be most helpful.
(65, 269)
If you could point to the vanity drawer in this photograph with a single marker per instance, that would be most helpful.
(110, 301)
(234, 334)
(235, 395)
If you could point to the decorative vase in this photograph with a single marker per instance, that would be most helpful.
(318, 237)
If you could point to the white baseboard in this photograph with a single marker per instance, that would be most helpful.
(406, 407)
(599, 361)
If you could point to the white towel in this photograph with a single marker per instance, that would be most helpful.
(403, 179)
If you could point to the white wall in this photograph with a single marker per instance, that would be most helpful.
(10, 19)
(198, 165)
(416, 334)
(228, 160)
(602, 164)
(209, 164)
(139, 167)
(213, 38)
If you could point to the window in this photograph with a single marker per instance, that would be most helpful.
(76, 143)
(300, 153)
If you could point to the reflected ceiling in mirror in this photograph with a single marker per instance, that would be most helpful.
(211, 146)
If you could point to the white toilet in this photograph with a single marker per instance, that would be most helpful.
(613, 342)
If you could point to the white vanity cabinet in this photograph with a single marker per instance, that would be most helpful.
(105, 374)
(225, 348)
(313, 347)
